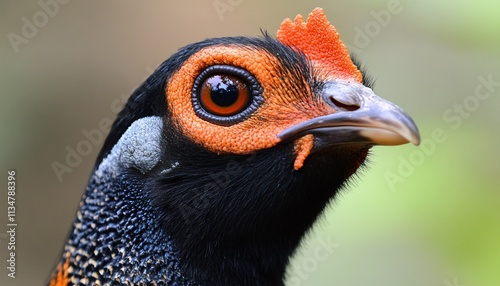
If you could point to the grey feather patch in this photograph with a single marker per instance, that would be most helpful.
(139, 147)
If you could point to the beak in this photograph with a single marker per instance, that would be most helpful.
(361, 117)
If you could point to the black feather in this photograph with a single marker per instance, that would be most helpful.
(205, 218)
(236, 219)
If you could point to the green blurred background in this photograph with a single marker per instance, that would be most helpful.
(412, 218)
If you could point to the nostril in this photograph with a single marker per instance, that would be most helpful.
(344, 106)
(343, 96)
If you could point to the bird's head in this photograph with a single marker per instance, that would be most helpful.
(242, 96)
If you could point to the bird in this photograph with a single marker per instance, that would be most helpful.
(223, 159)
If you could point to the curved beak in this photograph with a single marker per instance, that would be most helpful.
(361, 117)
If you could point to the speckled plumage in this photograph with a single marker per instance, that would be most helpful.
(116, 237)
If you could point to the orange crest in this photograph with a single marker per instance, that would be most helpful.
(321, 43)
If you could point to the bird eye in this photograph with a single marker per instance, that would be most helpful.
(225, 95)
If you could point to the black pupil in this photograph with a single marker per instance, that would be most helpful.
(224, 91)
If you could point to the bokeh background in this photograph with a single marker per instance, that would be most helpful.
(426, 215)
